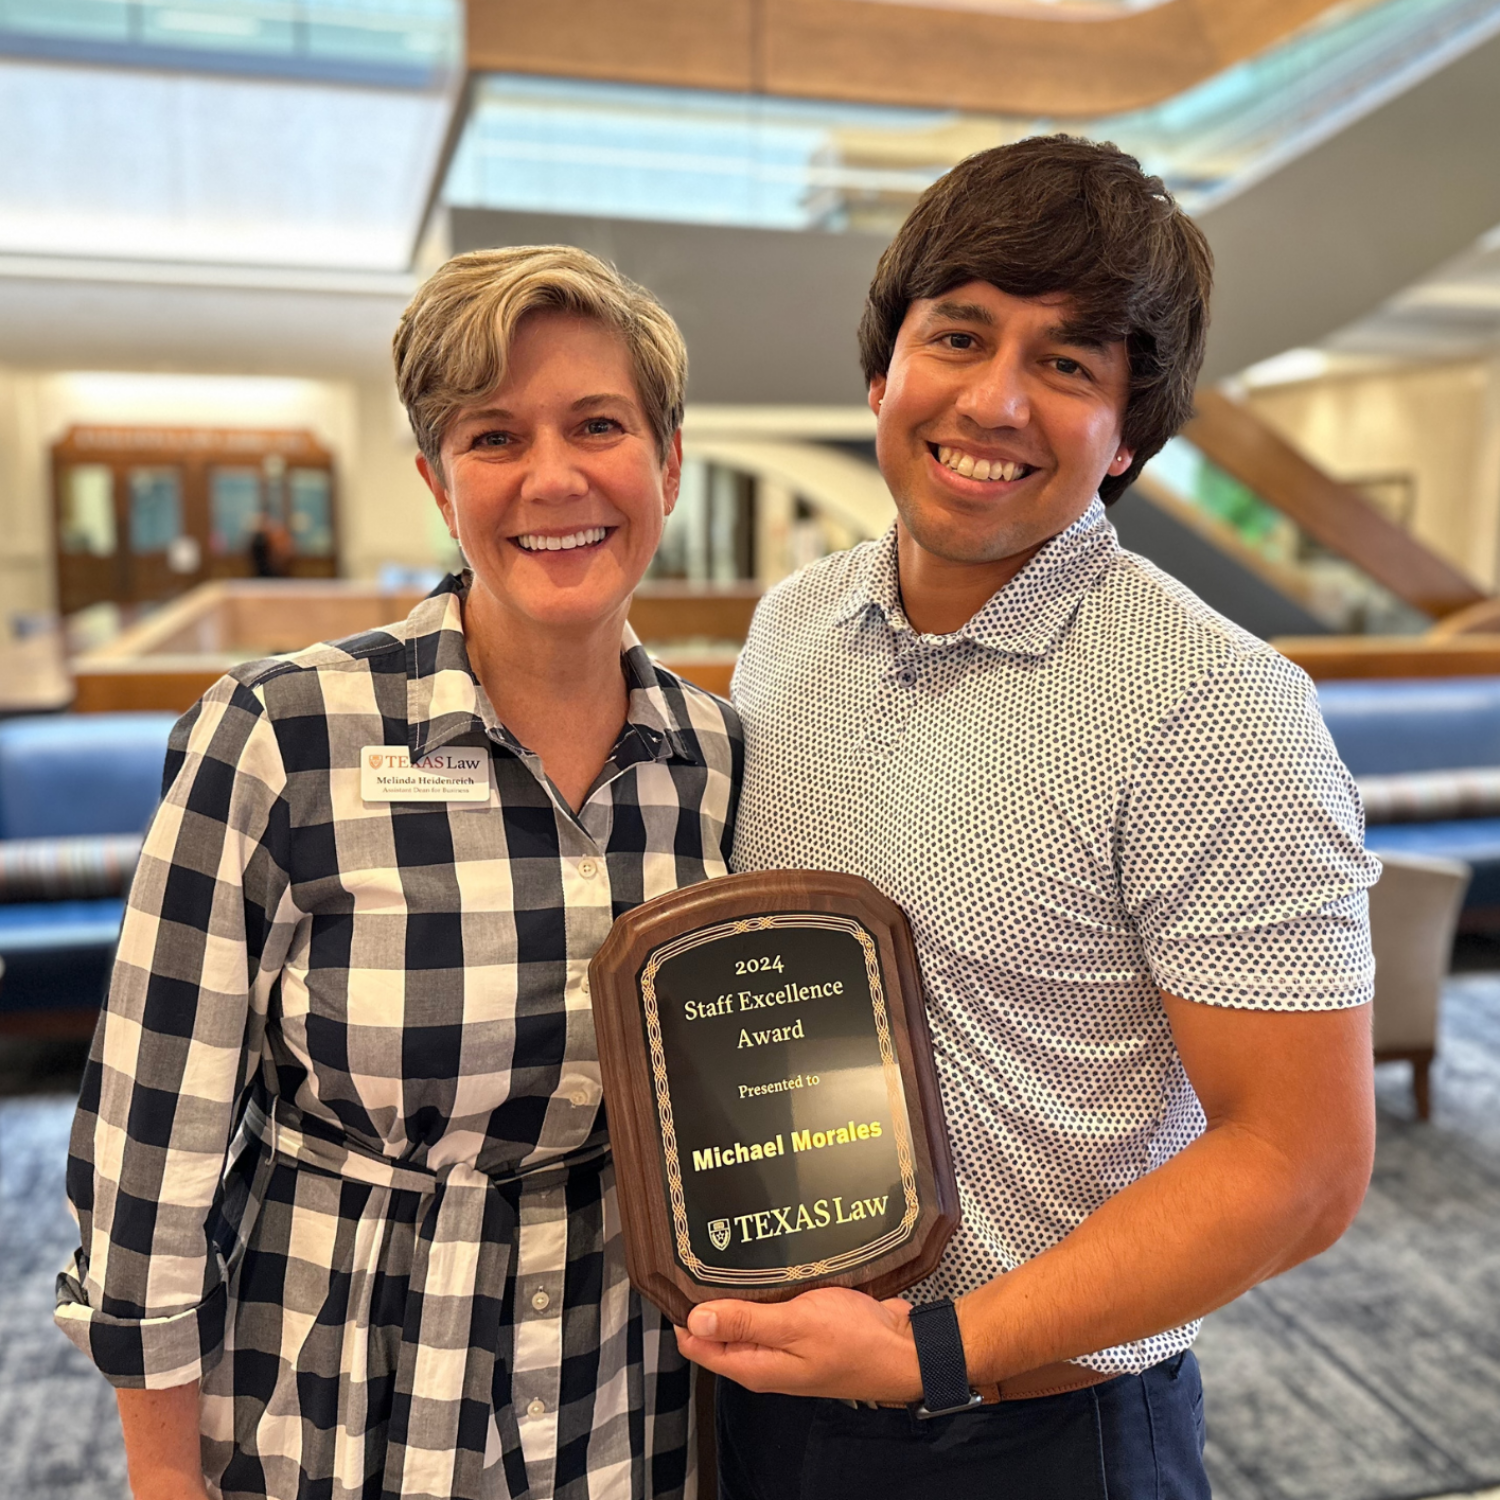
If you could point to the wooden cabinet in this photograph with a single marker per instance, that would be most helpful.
(142, 514)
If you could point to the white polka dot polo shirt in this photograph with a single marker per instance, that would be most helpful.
(1096, 790)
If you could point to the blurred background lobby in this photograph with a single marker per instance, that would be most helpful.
(211, 215)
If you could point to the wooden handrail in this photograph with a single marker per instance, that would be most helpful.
(1478, 619)
(926, 53)
(1335, 514)
(1336, 658)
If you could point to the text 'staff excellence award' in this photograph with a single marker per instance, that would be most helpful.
(771, 1094)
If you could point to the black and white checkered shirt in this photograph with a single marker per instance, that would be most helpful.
(1096, 790)
(407, 1279)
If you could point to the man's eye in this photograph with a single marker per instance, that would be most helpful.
(959, 340)
(1067, 366)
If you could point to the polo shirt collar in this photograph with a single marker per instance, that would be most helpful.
(1025, 617)
(445, 700)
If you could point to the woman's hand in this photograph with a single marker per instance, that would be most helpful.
(162, 1451)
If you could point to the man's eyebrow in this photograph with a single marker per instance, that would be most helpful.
(963, 312)
(1082, 336)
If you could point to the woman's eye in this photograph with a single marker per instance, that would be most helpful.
(601, 426)
(492, 440)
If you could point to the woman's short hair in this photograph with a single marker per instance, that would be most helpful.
(454, 338)
(1059, 214)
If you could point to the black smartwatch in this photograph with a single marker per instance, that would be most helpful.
(940, 1353)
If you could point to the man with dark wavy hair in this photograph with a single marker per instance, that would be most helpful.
(1131, 858)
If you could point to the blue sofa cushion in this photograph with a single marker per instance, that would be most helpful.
(1427, 724)
(66, 774)
(1476, 841)
(57, 926)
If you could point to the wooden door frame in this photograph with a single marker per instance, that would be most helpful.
(195, 451)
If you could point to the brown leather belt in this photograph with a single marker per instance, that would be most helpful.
(1046, 1380)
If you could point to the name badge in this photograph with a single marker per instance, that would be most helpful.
(460, 774)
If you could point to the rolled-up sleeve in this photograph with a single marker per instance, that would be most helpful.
(1241, 848)
(206, 930)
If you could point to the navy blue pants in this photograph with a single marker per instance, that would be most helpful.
(1138, 1437)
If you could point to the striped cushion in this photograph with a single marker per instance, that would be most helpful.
(1431, 796)
(63, 869)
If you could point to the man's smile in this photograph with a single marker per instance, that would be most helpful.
(979, 469)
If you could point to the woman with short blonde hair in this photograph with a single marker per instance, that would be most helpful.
(347, 1209)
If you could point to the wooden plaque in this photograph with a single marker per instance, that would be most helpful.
(772, 1100)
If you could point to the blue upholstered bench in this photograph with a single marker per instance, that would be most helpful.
(1391, 728)
(79, 778)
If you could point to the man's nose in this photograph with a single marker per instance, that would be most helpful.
(997, 394)
(552, 471)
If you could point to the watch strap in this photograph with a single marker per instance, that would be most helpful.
(940, 1354)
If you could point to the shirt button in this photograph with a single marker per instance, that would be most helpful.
(536, 1408)
(584, 984)
(909, 678)
(588, 869)
(580, 1097)
(541, 1301)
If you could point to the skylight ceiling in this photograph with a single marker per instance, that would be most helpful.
(670, 154)
(402, 43)
(138, 142)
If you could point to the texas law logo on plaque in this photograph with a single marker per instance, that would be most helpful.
(772, 1100)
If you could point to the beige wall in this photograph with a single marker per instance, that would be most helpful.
(1440, 424)
(390, 517)
(385, 512)
(27, 584)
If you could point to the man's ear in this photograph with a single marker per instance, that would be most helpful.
(877, 393)
(434, 482)
(671, 482)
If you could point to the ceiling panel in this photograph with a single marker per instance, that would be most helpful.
(181, 167)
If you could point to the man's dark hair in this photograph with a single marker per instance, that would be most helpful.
(1058, 214)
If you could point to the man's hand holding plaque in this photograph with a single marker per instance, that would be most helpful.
(771, 1095)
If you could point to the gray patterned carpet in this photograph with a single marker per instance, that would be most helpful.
(1372, 1373)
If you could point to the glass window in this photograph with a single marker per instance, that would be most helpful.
(155, 508)
(310, 503)
(624, 150)
(233, 509)
(88, 511)
(88, 20)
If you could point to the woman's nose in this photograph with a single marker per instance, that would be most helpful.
(553, 472)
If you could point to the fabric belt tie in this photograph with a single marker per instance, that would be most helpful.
(1046, 1380)
(438, 1442)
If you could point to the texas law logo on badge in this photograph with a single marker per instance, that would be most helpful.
(459, 773)
(718, 1233)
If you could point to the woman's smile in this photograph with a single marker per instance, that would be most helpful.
(583, 539)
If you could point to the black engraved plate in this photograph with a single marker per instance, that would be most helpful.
(785, 1142)
(772, 1099)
